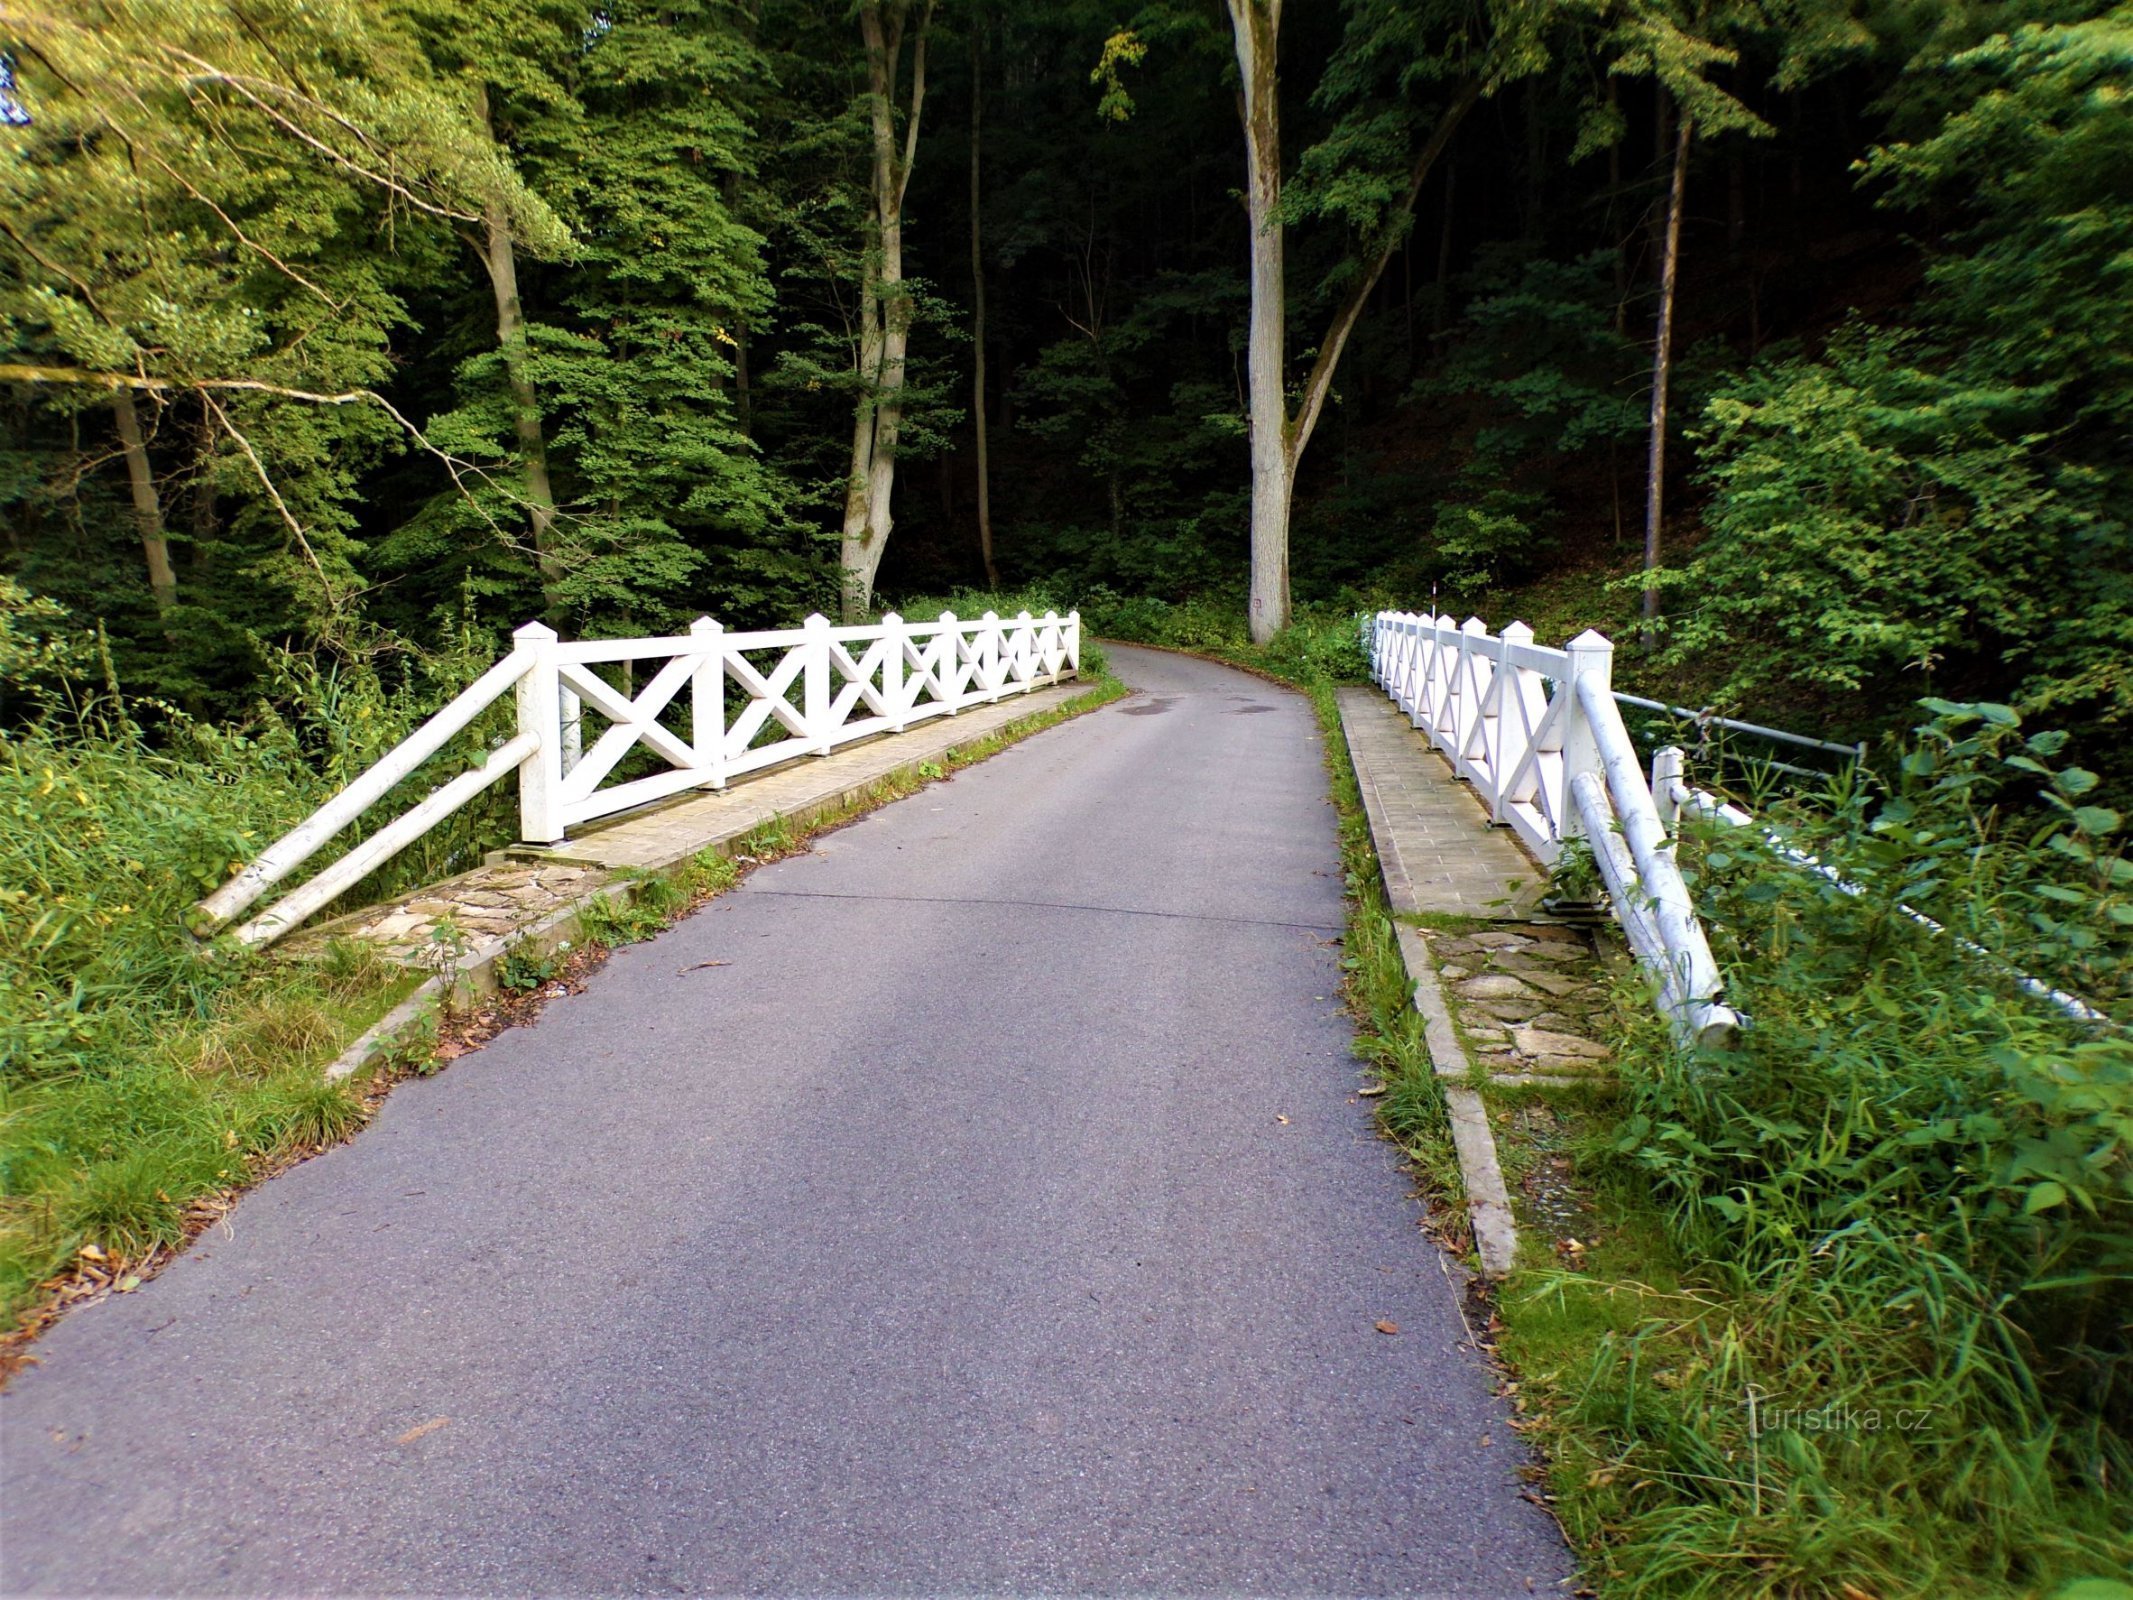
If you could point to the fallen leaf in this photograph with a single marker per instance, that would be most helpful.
(129, 1283)
(420, 1429)
(90, 1252)
(1851, 1591)
(1370, 1089)
(701, 965)
(1387, 1325)
(1284, 1121)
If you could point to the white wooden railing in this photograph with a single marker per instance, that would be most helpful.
(1538, 734)
(822, 685)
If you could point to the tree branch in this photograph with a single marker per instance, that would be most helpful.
(918, 99)
(1320, 382)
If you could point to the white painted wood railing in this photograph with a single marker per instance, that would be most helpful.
(820, 685)
(1538, 734)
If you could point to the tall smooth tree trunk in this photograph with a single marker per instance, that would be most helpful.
(977, 313)
(1256, 24)
(1278, 439)
(885, 313)
(147, 504)
(500, 256)
(1662, 372)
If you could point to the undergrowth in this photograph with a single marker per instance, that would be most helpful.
(1860, 1318)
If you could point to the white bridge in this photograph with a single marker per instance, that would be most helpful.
(1538, 734)
(740, 702)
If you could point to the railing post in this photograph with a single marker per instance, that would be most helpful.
(1591, 655)
(1667, 772)
(1025, 651)
(1466, 707)
(707, 700)
(950, 645)
(892, 670)
(815, 683)
(1504, 762)
(540, 775)
(1073, 642)
(990, 678)
(1422, 669)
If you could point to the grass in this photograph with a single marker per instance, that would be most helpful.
(146, 1078)
(1839, 1327)
(118, 1160)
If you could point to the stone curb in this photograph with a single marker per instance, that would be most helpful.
(1488, 1201)
(474, 972)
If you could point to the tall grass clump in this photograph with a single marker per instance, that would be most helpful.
(1902, 1206)
(141, 1069)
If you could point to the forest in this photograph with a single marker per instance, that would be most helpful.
(1787, 342)
(340, 332)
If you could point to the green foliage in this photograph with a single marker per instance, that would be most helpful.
(523, 969)
(1907, 1193)
(1551, 382)
(1950, 500)
(1324, 644)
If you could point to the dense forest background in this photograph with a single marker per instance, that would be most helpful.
(1789, 342)
(347, 336)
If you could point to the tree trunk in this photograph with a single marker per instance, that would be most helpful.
(886, 309)
(1256, 24)
(1614, 227)
(1441, 307)
(743, 398)
(147, 506)
(499, 254)
(856, 572)
(1662, 372)
(977, 314)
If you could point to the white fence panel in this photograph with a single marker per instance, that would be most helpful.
(752, 700)
(1537, 733)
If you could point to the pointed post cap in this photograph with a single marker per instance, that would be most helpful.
(1022, 616)
(890, 619)
(535, 632)
(990, 616)
(816, 620)
(1473, 625)
(1591, 639)
(707, 625)
(1518, 633)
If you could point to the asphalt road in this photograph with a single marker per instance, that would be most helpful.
(999, 1220)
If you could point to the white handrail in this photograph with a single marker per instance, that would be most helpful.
(850, 682)
(1537, 732)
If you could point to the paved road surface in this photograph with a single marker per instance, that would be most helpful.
(949, 1240)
